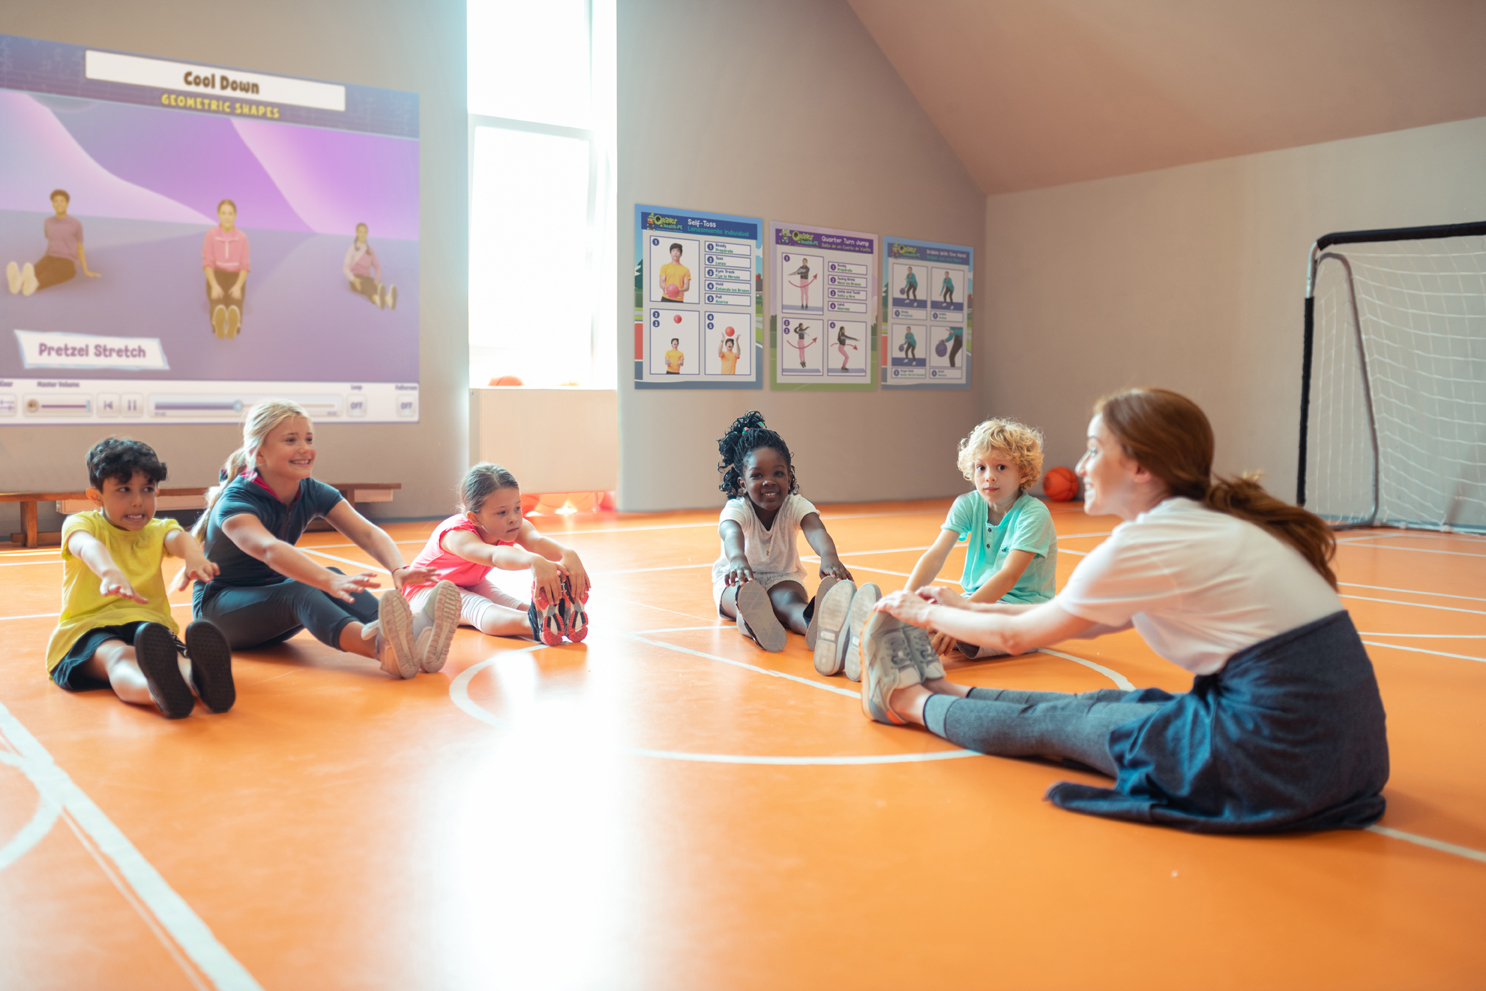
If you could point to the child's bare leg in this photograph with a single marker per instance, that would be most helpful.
(789, 601)
(728, 604)
(502, 621)
(352, 642)
(114, 662)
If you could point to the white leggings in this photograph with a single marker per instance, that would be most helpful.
(477, 604)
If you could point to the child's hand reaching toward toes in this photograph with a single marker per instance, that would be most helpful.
(547, 577)
(577, 576)
(831, 567)
(738, 571)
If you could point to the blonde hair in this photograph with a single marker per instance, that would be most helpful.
(1022, 443)
(481, 482)
(257, 425)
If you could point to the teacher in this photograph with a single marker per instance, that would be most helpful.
(1283, 728)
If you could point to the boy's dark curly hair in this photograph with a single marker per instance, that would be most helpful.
(746, 435)
(119, 458)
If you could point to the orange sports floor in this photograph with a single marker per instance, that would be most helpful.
(667, 806)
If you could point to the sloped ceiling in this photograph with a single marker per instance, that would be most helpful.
(1034, 93)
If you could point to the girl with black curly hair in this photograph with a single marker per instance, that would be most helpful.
(759, 580)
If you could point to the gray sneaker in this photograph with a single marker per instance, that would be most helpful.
(887, 664)
(862, 605)
(812, 630)
(756, 619)
(831, 630)
(924, 657)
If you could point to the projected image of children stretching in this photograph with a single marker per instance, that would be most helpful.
(364, 272)
(64, 252)
(224, 259)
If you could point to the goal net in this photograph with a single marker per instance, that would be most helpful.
(1393, 395)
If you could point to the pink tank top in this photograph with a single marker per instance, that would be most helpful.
(447, 565)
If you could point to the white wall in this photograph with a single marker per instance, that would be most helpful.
(864, 157)
(413, 45)
(1193, 278)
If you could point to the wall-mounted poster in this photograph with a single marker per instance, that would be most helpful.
(181, 239)
(926, 302)
(823, 311)
(698, 300)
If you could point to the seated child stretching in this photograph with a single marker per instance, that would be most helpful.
(758, 580)
(116, 628)
(491, 533)
(1012, 554)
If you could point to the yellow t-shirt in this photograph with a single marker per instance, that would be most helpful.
(729, 361)
(672, 274)
(674, 360)
(138, 554)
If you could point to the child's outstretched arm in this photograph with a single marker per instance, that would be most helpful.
(546, 574)
(818, 538)
(732, 545)
(933, 559)
(565, 557)
(196, 565)
(90, 551)
(248, 533)
(374, 540)
(1005, 580)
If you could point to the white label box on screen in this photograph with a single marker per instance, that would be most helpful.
(207, 80)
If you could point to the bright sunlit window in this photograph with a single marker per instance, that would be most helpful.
(542, 212)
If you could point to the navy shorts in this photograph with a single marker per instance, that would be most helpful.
(69, 674)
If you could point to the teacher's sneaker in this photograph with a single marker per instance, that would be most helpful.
(756, 619)
(219, 321)
(159, 661)
(812, 630)
(13, 277)
(435, 625)
(397, 649)
(574, 618)
(862, 605)
(211, 666)
(887, 665)
(831, 635)
(925, 657)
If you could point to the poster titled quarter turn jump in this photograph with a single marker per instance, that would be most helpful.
(926, 303)
(822, 324)
(698, 303)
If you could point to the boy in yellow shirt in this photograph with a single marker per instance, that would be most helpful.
(729, 356)
(675, 278)
(116, 628)
(675, 358)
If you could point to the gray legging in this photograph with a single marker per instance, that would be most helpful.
(263, 615)
(1037, 724)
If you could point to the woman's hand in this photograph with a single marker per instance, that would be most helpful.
(547, 577)
(412, 576)
(345, 587)
(577, 576)
(910, 607)
(831, 567)
(117, 586)
(738, 571)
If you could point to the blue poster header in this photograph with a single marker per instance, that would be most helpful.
(680, 223)
(928, 252)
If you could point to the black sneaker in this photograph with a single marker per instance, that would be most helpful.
(155, 652)
(211, 666)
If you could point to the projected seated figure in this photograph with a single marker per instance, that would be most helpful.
(224, 259)
(364, 272)
(64, 252)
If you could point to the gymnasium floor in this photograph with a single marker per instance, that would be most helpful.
(667, 806)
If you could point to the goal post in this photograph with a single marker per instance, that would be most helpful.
(1393, 379)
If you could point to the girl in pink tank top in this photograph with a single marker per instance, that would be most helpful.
(492, 533)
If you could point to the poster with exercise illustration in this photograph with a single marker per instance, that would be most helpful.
(181, 239)
(822, 311)
(925, 305)
(698, 300)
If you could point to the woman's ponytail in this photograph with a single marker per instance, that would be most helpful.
(257, 425)
(1169, 435)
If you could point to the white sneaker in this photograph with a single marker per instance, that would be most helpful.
(435, 625)
(29, 283)
(395, 630)
(862, 605)
(829, 621)
(925, 658)
(887, 665)
(13, 277)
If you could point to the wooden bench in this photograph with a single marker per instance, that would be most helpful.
(168, 499)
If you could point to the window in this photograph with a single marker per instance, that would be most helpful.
(542, 211)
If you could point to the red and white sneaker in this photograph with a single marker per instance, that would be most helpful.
(547, 619)
(574, 618)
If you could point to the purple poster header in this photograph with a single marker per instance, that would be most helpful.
(824, 240)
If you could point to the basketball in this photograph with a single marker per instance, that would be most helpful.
(677, 318)
(507, 380)
(1060, 484)
(729, 332)
(940, 349)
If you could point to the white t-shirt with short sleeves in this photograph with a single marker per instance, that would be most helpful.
(1198, 585)
(771, 551)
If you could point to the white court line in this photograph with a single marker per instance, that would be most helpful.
(1440, 845)
(172, 912)
(641, 571)
(47, 811)
(1421, 650)
(1413, 591)
(1072, 536)
(34, 615)
(750, 667)
(1423, 550)
(1428, 636)
(29, 564)
(362, 565)
(1120, 680)
(1417, 605)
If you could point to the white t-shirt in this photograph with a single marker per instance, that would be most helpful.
(1198, 585)
(771, 551)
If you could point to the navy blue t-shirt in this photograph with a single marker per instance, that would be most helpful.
(242, 495)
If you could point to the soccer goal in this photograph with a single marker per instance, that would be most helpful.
(1393, 388)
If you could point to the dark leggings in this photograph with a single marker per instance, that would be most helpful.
(264, 615)
(1037, 724)
(51, 271)
(954, 349)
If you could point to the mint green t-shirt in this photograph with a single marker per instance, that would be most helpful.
(1027, 526)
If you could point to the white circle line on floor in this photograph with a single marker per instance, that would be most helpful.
(45, 816)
